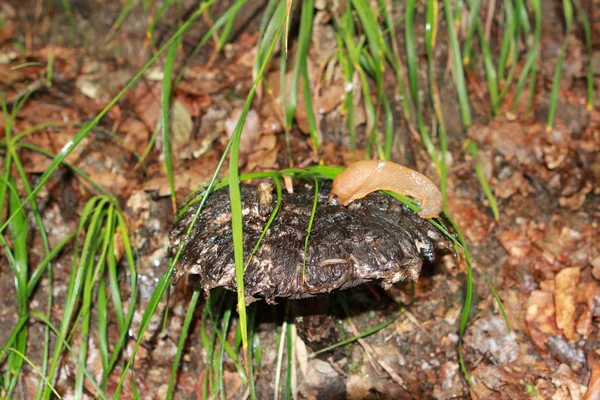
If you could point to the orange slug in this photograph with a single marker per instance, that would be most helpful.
(364, 177)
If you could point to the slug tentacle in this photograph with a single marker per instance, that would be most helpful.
(364, 177)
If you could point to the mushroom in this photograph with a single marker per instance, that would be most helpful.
(365, 177)
(377, 239)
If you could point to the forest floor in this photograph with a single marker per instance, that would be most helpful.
(542, 255)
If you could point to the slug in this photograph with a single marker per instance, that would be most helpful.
(364, 177)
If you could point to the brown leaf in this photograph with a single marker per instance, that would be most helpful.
(136, 133)
(181, 128)
(540, 318)
(565, 284)
(250, 131)
(567, 387)
(593, 391)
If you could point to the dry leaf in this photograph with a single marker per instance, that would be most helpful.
(540, 318)
(358, 387)
(593, 391)
(250, 131)
(181, 128)
(565, 284)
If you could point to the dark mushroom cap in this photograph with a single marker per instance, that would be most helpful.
(376, 238)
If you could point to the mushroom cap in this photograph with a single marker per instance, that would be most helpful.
(375, 238)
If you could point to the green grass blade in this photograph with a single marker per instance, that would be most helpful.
(374, 39)
(92, 211)
(150, 31)
(223, 19)
(355, 338)
(34, 367)
(125, 10)
(522, 17)
(66, 345)
(69, 13)
(393, 56)
(310, 114)
(568, 12)
(431, 29)
(490, 70)
(235, 197)
(472, 22)
(98, 188)
(472, 148)
(389, 128)
(306, 21)
(166, 111)
(588, 44)
(411, 53)
(50, 69)
(287, 393)
(101, 307)
(19, 229)
(229, 24)
(509, 39)
(459, 75)
(157, 295)
(182, 338)
(309, 227)
(530, 68)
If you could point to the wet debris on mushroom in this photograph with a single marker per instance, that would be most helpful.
(375, 238)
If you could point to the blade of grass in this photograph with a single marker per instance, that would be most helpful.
(411, 53)
(530, 67)
(150, 31)
(509, 39)
(229, 24)
(92, 211)
(165, 113)
(235, 198)
(568, 13)
(50, 69)
(355, 338)
(309, 227)
(69, 13)
(473, 20)
(310, 114)
(431, 29)
(346, 65)
(306, 21)
(287, 393)
(459, 75)
(490, 70)
(19, 229)
(89, 376)
(394, 57)
(588, 44)
(182, 339)
(472, 148)
(34, 367)
(125, 10)
(279, 364)
(413, 76)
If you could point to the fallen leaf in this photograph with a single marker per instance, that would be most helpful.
(565, 284)
(181, 128)
(250, 131)
(567, 387)
(358, 387)
(593, 391)
(540, 318)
